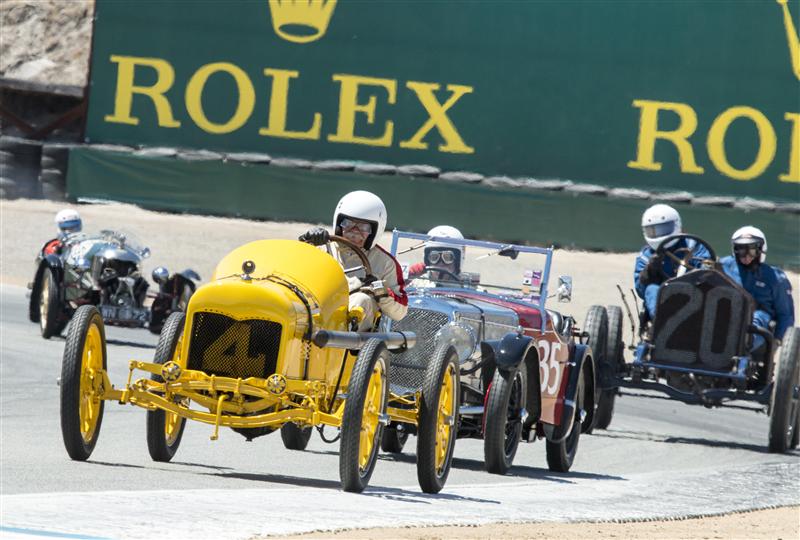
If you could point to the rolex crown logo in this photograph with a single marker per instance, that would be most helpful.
(301, 21)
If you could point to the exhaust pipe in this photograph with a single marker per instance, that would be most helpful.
(356, 340)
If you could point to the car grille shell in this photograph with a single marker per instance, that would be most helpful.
(407, 369)
(221, 345)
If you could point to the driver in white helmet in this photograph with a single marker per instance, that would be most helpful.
(768, 285)
(360, 217)
(441, 261)
(659, 222)
(68, 222)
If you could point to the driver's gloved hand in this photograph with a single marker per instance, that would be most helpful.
(652, 272)
(375, 288)
(368, 279)
(316, 236)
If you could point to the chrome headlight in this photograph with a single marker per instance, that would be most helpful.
(460, 336)
(160, 275)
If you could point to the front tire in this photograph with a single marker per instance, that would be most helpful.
(51, 311)
(503, 417)
(362, 428)
(438, 420)
(82, 371)
(165, 429)
(561, 455)
(783, 418)
(295, 437)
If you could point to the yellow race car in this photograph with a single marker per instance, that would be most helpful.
(265, 345)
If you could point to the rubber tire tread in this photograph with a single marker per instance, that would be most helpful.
(429, 480)
(165, 350)
(54, 323)
(352, 480)
(614, 356)
(596, 325)
(294, 437)
(33, 304)
(69, 391)
(559, 457)
(393, 441)
(494, 436)
(786, 377)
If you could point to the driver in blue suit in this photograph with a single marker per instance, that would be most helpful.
(768, 286)
(658, 223)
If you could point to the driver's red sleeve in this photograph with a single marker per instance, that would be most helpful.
(53, 246)
(400, 296)
(416, 269)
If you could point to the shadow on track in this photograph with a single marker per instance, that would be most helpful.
(654, 437)
(521, 471)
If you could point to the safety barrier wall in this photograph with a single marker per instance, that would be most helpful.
(501, 208)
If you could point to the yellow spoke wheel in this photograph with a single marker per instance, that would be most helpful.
(362, 425)
(438, 419)
(164, 428)
(82, 370)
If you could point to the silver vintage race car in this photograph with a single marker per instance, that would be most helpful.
(525, 372)
(104, 270)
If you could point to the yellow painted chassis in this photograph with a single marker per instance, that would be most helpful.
(301, 401)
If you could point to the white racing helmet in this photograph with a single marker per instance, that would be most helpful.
(69, 221)
(659, 222)
(364, 206)
(445, 231)
(748, 236)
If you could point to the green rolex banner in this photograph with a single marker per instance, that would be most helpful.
(700, 96)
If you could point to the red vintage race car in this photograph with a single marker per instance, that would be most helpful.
(526, 372)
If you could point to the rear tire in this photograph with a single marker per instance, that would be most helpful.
(438, 420)
(614, 360)
(596, 326)
(367, 396)
(784, 412)
(561, 455)
(83, 365)
(165, 429)
(295, 437)
(503, 417)
(394, 439)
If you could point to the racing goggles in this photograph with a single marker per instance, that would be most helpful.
(743, 250)
(659, 230)
(360, 226)
(445, 256)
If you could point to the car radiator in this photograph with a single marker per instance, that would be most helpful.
(223, 346)
(407, 369)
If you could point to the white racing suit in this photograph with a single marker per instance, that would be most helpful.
(385, 268)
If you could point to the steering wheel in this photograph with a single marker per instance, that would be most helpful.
(683, 255)
(450, 273)
(357, 249)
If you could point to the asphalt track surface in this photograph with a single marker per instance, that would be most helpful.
(659, 459)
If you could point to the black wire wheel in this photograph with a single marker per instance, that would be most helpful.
(560, 455)
(51, 310)
(783, 417)
(503, 419)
